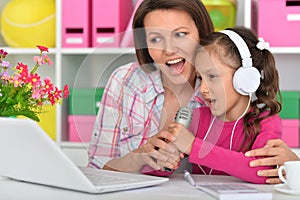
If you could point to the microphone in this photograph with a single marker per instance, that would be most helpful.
(184, 116)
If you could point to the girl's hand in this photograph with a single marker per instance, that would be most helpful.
(277, 153)
(157, 150)
(173, 160)
(184, 138)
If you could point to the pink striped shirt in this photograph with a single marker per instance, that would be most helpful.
(129, 113)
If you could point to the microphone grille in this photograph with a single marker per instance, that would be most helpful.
(184, 116)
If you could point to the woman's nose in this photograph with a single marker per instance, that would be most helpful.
(170, 47)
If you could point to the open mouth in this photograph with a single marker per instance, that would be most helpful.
(176, 66)
(210, 102)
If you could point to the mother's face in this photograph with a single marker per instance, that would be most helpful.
(172, 37)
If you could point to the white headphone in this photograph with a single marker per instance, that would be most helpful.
(246, 79)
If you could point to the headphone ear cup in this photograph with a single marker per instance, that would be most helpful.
(246, 80)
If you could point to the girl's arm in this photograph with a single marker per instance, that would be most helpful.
(232, 162)
(222, 159)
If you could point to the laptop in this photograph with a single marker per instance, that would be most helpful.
(28, 154)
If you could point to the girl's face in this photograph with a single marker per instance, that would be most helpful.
(172, 37)
(216, 85)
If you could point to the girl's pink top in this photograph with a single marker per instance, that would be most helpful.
(214, 152)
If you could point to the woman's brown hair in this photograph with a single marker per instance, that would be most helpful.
(268, 91)
(194, 8)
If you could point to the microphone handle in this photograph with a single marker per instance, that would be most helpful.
(184, 117)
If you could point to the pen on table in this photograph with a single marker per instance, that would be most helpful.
(188, 177)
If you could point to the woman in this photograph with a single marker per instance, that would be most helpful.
(140, 99)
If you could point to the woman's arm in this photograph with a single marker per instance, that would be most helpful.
(275, 152)
(148, 154)
(105, 141)
(118, 140)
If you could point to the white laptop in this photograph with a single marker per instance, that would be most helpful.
(28, 154)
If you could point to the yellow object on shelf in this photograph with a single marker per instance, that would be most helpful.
(222, 13)
(27, 23)
(47, 120)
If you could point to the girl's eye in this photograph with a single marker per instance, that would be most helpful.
(180, 34)
(211, 76)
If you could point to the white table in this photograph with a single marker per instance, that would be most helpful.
(174, 189)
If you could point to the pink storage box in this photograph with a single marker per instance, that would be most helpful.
(127, 40)
(109, 19)
(76, 23)
(279, 22)
(291, 132)
(81, 127)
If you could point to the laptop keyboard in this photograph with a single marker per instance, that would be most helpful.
(98, 178)
(228, 188)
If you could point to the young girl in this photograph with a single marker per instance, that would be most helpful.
(239, 83)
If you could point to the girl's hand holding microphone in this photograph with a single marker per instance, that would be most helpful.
(184, 138)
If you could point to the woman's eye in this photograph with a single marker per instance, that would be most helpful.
(155, 40)
(180, 34)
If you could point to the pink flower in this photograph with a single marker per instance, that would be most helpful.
(46, 59)
(17, 81)
(22, 67)
(24, 92)
(5, 77)
(48, 85)
(34, 79)
(66, 91)
(55, 95)
(36, 94)
(38, 60)
(2, 54)
(42, 48)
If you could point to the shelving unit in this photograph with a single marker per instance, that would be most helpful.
(91, 67)
(286, 58)
(77, 67)
(82, 67)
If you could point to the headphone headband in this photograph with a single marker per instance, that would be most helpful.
(242, 47)
(246, 79)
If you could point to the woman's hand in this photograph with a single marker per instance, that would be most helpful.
(157, 152)
(184, 138)
(278, 152)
